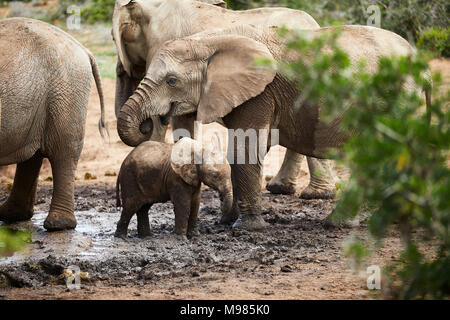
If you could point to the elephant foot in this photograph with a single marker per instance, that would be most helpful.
(143, 231)
(278, 187)
(57, 221)
(311, 192)
(250, 222)
(193, 233)
(10, 212)
(177, 237)
(120, 234)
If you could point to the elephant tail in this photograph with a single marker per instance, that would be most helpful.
(101, 123)
(118, 202)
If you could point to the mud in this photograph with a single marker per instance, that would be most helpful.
(295, 235)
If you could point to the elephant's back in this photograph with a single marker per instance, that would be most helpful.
(277, 17)
(32, 42)
(146, 170)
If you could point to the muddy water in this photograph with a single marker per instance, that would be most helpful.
(295, 233)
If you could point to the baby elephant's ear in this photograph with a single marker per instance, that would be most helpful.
(182, 160)
(232, 76)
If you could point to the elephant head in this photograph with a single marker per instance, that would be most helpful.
(195, 164)
(205, 74)
(131, 31)
(136, 41)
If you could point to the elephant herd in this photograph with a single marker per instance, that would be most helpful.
(178, 61)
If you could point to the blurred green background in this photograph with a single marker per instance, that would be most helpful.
(423, 22)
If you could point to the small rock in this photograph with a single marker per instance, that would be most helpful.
(89, 176)
(268, 293)
(195, 274)
(286, 268)
(110, 173)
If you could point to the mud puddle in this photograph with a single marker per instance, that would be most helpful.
(295, 235)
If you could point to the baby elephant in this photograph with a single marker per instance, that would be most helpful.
(157, 172)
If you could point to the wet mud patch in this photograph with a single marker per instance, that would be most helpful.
(295, 236)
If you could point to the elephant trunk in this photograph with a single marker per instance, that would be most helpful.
(134, 124)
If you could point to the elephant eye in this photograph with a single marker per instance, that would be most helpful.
(171, 81)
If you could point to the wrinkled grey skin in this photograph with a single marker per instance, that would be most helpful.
(45, 81)
(213, 74)
(149, 174)
(140, 27)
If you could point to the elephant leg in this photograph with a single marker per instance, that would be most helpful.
(322, 183)
(233, 215)
(192, 229)
(182, 208)
(143, 222)
(286, 179)
(19, 205)
(124, 221)
(61, 215)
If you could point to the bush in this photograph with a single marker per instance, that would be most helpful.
(11, 241)
(436, 40)
(397, 160)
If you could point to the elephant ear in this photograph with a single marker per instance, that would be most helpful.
(232, 77)
(185, 154)
(119, 15)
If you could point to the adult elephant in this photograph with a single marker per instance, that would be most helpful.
(140, 27)
(213, 74)
(45, 82)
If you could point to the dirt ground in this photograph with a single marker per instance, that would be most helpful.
(295, 258)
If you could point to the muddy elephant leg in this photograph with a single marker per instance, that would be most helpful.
(322, 184)
(124, 221)
(182, 203)
(19, 205)
(143, 222)
(61, 215)
(192, 229)
(285, 181)
(233, 215)
(246, 177)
